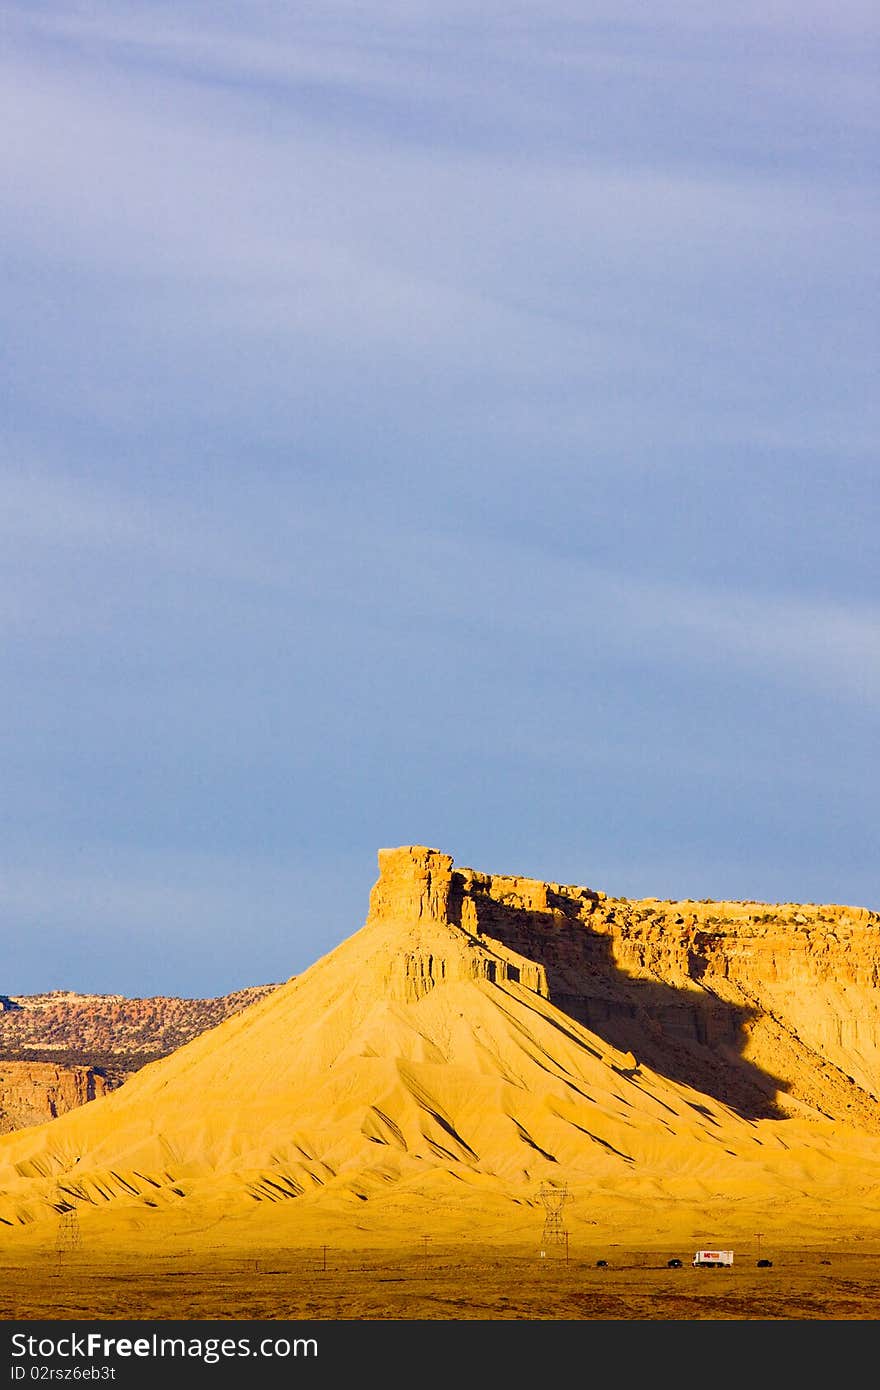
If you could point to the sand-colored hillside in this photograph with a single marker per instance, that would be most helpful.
(684, 1071)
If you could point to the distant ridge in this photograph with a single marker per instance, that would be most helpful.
(61, 1049)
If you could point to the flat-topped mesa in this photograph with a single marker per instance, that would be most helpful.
(420, 884)
(705, 976)
(418, 889)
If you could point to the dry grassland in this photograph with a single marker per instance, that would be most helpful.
(436, 1282)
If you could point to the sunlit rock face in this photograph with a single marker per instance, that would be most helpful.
(675, 1064)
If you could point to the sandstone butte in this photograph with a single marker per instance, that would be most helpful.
(688, 1071)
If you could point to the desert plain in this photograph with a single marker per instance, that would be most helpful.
(408, 1282)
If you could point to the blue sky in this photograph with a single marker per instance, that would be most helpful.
(429, 424)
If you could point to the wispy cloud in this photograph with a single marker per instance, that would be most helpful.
(471, 583)
(808, 642)
(506, 79)
(431, 424)
(223, 251)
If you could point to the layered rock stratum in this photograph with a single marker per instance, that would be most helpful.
(31, 1092)
(684, 1069)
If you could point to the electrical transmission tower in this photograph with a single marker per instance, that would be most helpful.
(69, 1234)
(554, 1199)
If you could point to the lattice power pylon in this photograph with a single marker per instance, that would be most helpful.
(554, 1199)
(69, 1235)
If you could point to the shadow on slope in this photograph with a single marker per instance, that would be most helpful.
(687, 1035)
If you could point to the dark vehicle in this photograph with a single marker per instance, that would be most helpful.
(601, 1264)
(673, 1264)
(765, 1264)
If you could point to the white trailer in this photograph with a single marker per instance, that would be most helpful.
(713, 1259)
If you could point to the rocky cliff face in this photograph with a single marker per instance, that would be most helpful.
(769, 1007)
(31, 1092)
(61, 1049)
